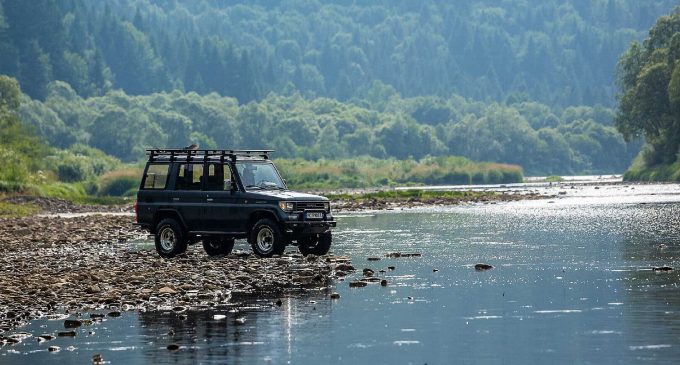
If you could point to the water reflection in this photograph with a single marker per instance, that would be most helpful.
(261, 331)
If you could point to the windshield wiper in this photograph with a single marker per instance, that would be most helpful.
(253, 186)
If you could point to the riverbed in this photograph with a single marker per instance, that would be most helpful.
(573, 281)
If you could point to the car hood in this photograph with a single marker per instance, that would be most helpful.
(287, 195)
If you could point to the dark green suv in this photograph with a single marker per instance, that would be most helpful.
(217, 196)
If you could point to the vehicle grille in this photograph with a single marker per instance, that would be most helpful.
(309, 206)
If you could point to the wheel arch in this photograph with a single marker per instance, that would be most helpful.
(167, 213)
(260, 214)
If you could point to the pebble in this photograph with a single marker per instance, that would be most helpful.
(85, 264)
(97, 359)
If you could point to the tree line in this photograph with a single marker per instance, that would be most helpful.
(541, 139)
(559, 53)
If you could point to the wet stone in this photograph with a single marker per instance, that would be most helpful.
(357, 284)
(71, 323)
(483, 267)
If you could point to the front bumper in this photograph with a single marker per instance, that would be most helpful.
(308, 227)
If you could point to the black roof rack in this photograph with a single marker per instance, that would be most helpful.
(176, 154)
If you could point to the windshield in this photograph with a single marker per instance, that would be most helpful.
(259, 175)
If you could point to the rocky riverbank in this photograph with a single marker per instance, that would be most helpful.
(374, 201)
(53, 265)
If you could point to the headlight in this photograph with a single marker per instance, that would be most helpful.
(287, 206)
(327, 206)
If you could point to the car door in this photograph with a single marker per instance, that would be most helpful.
(189, 198)
(221, 195)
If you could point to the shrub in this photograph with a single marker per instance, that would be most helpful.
(120, 182)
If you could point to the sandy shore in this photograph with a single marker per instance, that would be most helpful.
(54, 265)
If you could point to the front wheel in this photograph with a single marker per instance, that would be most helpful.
(218, 246)
(316, 244)
(170, 240)
(266, 239)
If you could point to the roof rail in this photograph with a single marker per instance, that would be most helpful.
(176, 153)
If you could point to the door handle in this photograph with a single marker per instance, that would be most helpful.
(209, 199)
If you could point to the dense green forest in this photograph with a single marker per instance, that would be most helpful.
(559, 53)
(649, 75)
(530, 134)
(529, 83)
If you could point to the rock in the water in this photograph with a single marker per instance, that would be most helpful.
(662, 268)
(279, 302)
(383, 282)
(391, 268)
(53, 349)
(335, 296)
(435, 270)
(72, 323)
(97, 359)
(66, 334)
(45, 337)
(357, 284)
(374, 259)
(344, 267)
(114, 314)
(240, 320)
(482, 267)
(368, 272)
(173, 347)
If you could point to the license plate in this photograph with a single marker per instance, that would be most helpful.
(314, 215)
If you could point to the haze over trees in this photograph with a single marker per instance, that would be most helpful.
(520, 82)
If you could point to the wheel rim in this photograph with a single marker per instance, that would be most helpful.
(213, 244)
(168, 239)
(265, 239)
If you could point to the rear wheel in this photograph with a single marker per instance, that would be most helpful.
(215, 246)
(266, 238)
(170, 240)
(318, 244)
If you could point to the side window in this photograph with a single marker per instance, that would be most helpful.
(156, 176)
(216, 176)
(189, 176)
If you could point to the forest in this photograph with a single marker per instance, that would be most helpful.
(529, 86)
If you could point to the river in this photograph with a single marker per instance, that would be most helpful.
(572, 283)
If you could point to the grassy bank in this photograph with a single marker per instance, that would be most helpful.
(12, 210)
(371, 172)
(640, 171)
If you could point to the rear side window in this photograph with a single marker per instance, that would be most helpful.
(189, 177)
(156, 176)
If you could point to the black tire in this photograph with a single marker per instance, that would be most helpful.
(316, 245)
(170, 238)
(218, 246)
(266, 239)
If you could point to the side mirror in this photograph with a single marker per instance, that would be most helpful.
(228, 186)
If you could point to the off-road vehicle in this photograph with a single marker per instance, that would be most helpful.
(218, 196)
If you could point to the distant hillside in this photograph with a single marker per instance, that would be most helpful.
(557, 52)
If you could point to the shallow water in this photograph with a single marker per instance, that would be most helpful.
(572, 283)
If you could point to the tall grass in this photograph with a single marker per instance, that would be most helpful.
(371, 172)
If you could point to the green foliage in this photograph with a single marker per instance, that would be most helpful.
(120, 182)
(554, 178)
(369, 172)
(556, 52)
(649, 76)
(570, 141)
(12, 210)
